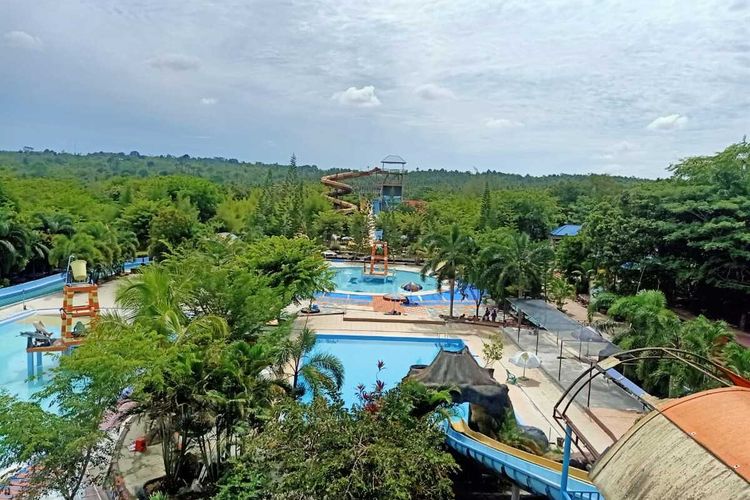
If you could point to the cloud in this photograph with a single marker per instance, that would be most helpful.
(502, 123)
(174, 62)
(208, 101)
(668, 122)
(361, 98)
(433, 92)
(22, 40)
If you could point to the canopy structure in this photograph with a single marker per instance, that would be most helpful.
(565, 230)
(472, 383)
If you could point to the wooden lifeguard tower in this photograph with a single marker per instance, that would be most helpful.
(77, 316)
(378, 259)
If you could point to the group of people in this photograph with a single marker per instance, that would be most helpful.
(490, 314)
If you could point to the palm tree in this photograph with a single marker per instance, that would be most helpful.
(56, 223)
(153, 298)
(448, 256)
(519, 261)
(82, 245)
(738, 358)
(14, 243)
(318, 370)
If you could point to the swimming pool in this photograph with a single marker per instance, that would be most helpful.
(352, 279)
(360, 355)
(13, 356)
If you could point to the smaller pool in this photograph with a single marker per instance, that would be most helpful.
(360, 355)
(352, 279)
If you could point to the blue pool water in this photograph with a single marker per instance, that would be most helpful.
(352, 279)
(13, 358)
(360, 356)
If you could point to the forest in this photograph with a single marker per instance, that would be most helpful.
(686, 235)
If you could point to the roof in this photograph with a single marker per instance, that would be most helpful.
(393, 159)
(566, 230)
(697, 447)
(717, 419)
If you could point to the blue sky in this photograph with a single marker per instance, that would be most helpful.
(621, 87)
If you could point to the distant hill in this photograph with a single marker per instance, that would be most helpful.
(102, 166)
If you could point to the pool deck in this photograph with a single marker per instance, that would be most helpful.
(533, 399)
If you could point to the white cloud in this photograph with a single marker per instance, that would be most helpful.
(174, 62)
(362, 98)
(668, 122)
(208, 101)
(502, 123)
(22, 40)
(433, 92)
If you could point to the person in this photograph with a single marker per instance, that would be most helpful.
(486, 316)
(494, 314)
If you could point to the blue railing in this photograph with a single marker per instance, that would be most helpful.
(44, 286)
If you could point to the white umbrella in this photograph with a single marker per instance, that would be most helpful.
(526, 359)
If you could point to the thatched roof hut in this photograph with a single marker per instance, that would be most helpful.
(693, 447)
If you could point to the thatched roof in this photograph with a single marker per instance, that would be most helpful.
(472, 383)
(696, 446)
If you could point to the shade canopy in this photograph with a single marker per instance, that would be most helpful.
(526, 359)
(395, 297)
(411, 286)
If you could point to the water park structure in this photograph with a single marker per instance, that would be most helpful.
(41, 341)
(384, 192)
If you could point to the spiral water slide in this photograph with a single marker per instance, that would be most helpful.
(339, 189)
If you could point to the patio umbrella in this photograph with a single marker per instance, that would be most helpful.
(411, 287)
(526, 359)
(395, 297)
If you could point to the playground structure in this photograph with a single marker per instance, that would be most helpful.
(383, 193)
(83, 314)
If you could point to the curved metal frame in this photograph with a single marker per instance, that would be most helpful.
(706, 366)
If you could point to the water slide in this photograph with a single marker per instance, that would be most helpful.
(532, 473)
(339, 189)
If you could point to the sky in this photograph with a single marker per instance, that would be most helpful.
(531, 87)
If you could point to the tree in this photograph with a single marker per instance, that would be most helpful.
(295, 266)
(492, 350)
(169, 228)
(475, 282)
(448, 256)
(61, 448)
(519, 262)
(327, 224)
(15, 242)
(267, 216)
(293, 200)
(382, 448)
(137, 218)
(560, 291)
(316, 371)
(81, 245)
(485, 210)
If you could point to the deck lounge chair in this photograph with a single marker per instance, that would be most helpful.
(510, 378)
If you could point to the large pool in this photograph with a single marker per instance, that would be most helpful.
(13, 375)
(360, 355)
(352, 279)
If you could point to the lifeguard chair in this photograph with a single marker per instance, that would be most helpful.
(378, 259)
(77, 284)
